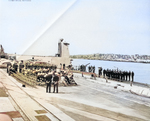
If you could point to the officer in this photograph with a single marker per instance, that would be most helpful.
(48, 78)
(55, 79)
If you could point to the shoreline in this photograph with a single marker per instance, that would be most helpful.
(116, 60)
(141, 70)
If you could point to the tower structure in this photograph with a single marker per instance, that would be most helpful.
(1, 50)
(2, 53)
(63, 50)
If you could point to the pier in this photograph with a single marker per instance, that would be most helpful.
(90, 100)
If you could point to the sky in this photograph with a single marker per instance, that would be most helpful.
(34, 27)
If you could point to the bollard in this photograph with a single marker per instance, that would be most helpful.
(131, 83)
(23, 85)
(82, 74)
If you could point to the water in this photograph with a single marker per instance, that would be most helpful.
(141, 70)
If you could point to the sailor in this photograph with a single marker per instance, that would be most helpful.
(67, 79)
(63, 66)
(129, 75)
(93, 69)
(132, 75)
(104, 72)
(63, 80)
(99, 71)
(89, 68)
(48, 78)
(56, 79)
(21, 66)
(11, 70)
(15, 66)
(8, 67)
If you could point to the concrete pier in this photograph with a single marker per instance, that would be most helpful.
(91, 100)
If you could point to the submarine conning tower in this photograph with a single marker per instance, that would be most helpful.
(63, 50)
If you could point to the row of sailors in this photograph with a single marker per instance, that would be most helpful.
(35, 71)
(28, 66)
(15, 66)
(19, 66)
(119, 75)
(41, 73)
(91, 69)
(65, 77)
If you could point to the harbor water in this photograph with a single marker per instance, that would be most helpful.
(141, 70)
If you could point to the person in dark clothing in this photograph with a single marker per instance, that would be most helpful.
(8, 67)
(129, 75)
(122, 76)
(67, 79)
(55, 79)
(99, 71)
(48, 82)
(63, 66)
(89, 68)
(104, 72)
(11, 70)
(21, 66)
(132, 74)
(15, 66)
(93, 69)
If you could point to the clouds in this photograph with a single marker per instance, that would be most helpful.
(90, 26)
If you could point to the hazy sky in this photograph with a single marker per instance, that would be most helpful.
(90, 26)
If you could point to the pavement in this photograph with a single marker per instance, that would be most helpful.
(74, 103)
(139, 90)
